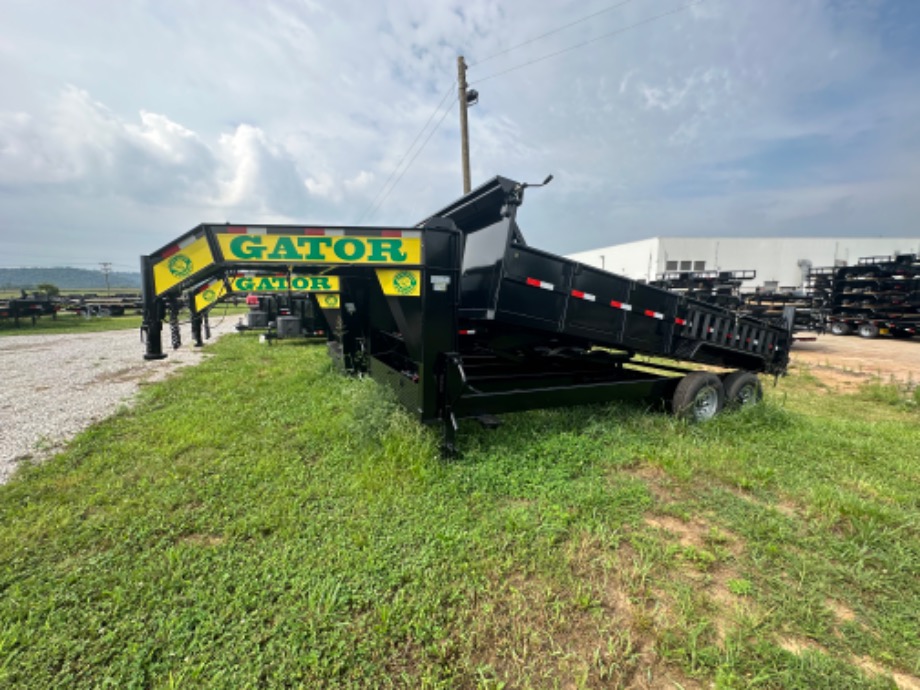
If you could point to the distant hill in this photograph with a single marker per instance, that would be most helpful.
(65, 278)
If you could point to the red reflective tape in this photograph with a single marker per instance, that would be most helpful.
(620, 305)
(533, 282)
(391, 233)
(679, 321)
(314, 231)
(470, 332)
(653, 314)
(578, 293)
(235, 230)
(170, 251)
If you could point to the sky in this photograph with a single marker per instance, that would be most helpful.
(124, 123)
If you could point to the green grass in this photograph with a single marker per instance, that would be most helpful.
(13, 293)
(69, 323)
(260, 520)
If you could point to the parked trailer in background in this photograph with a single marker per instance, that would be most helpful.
(462, 319)
(32, 307)
(878, 296)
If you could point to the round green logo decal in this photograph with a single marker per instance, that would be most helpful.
(404, 282)
(330, 300)
(209, 295)
(180, 266)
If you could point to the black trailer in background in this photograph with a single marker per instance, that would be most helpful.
(463, 319)
(880, 295)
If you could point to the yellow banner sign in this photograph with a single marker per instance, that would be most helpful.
(173, 269)
(212, 292)
(400, 283)
(329, 301)
(280, 284)
(321, 249)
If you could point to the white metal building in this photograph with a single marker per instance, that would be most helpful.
(780, 262)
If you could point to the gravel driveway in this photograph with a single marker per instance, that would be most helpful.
(54, 386)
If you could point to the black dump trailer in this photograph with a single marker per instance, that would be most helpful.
(463, 319)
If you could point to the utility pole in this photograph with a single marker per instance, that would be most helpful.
(464, 129)
(106, 269)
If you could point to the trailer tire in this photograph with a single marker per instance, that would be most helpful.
(698, 397)
(868, 330)
(742, 389)
(840, 328)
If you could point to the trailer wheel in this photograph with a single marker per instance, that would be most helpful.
(699, 396)
(868, 330)
(840, 328)
(742, 388)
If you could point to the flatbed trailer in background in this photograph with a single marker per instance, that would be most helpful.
(880, 295)
(462, 319)
(32, 307)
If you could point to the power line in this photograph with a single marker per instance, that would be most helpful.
(648, 20)
(371, 207)
(421, 148)
(550, 33)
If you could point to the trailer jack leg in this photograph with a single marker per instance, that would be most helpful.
(449, 448)
(174, 335)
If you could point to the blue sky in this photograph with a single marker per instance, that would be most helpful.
(123, 124)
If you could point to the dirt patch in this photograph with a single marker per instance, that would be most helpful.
(126, 375)
(783, 506)
(202, 539)
(584, 630)
(660, 484)
(696, 533)
(842, 612)
(847, 362)
(904, 681)
(688, 533)
(799, 645)
(709, 561)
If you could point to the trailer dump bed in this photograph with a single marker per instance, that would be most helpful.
(507, 285)
(461, 318)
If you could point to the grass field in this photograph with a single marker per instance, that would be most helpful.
(261, 521)
(68, 322)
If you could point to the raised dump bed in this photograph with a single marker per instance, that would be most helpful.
(464, 320)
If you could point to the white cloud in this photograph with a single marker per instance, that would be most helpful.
(301, 111)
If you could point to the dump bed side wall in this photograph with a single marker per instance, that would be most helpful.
(568, 300)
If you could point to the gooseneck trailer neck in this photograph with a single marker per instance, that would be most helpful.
(461, 318)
